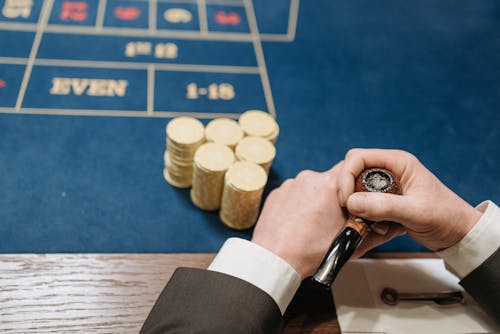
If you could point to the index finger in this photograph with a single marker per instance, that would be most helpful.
(357, 160)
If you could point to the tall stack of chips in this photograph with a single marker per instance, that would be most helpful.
(259, 124)
(224, 131)
(211, 162)
(184, 136)
(243, 187)
(256, 149)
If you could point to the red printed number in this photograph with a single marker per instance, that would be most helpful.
(227, 18)
(74, 11)
(127, 13)
(3, 84)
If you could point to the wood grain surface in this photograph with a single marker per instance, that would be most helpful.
(84, 293)
(113, 293)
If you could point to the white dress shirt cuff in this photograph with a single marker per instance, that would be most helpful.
(479, 244)
(260, 267)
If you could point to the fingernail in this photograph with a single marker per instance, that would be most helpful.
(380, 228)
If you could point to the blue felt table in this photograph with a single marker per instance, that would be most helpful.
(84, 173)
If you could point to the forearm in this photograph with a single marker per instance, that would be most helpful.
(476, 259)
(207, 302)
(260, 267)
(246, 289)
(479, 244)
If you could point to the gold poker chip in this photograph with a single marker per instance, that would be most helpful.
(246, 176)
(185, 131)
(214, 157)
(259, 124)
(256, 149)
(224, 131)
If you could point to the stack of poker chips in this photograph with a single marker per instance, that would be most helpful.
(259, 124)
(184, 136)
(243, 187)
(226, 163)
(211, 162)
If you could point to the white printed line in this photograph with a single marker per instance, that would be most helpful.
(108, 31)
(223, 2)
(116, 113)
(259, 53)
(219, 2)
(276, 38)
(151, 89)
(101, 9)
(42, 23)
(292, 19)
(18, 26)
(202, 16)
(13, 61)
(152, 16)
(137, 66)
(202, 115)
(132, 32)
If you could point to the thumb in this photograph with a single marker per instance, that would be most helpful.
(380, 207)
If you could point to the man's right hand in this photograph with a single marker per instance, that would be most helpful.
(427, 210)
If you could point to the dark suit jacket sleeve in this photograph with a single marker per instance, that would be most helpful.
(202, 301)
(483, 283)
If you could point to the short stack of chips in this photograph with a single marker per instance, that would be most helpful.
(184, 136)
(219, 181)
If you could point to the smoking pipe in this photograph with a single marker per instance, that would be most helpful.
(346, 242)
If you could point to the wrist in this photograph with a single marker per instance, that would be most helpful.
(470, 217)
(258, 266)
(274, 248)
(479, 243)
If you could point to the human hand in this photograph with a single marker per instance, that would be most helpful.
(300, 219)
(427, 210)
